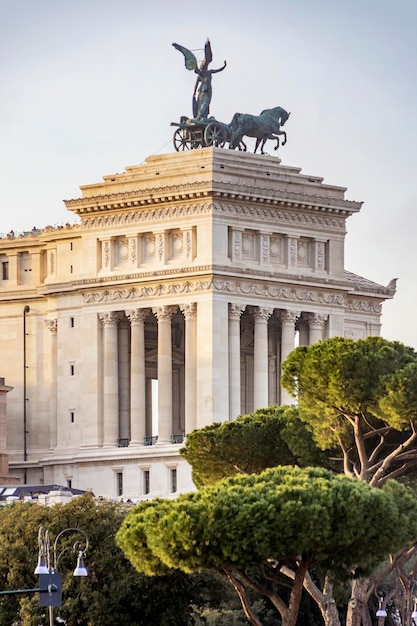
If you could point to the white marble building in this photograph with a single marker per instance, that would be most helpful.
(170, 306)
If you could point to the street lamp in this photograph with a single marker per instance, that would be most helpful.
(47, 567)
(381, 612)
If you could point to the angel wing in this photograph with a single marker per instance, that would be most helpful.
(189, 58)
(208, 55)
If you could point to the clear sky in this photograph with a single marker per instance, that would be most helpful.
(88, 87)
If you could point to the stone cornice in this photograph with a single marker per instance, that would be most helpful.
(278, 213)
(187, 274)
(207, 188)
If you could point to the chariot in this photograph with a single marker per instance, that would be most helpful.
(192, 134)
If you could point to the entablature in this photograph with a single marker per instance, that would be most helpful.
(131, 200)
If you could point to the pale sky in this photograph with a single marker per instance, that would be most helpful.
(88, 87)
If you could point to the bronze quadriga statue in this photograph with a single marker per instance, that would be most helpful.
(203, 131)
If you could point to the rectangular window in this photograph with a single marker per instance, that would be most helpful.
(5, 270)
(72, 322)
(70, 245)
(119, 483)
(72, 369)
(69, 483)
(173, 480)
(146, 481)
(72, 416)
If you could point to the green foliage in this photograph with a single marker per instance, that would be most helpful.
(340, 379)
(113, 592)
(235, 617)
(282, 513)
(398, 405)
(252, 443)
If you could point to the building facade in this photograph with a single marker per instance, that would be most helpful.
(171, 305)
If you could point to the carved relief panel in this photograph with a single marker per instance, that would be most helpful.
(304, 252)
(149, 248)
(121, 251)
(276, 249)
(249, 245)
(175, 245)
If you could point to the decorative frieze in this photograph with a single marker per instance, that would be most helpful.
(230, 286)
(272, 214)
(363, 306)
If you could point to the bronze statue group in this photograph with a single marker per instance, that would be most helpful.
(262, 127)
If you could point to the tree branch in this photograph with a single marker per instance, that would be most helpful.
(380, 476)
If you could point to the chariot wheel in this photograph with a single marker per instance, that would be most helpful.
(182, 140)
(215, 135)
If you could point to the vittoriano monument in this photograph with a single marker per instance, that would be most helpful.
(202, 131)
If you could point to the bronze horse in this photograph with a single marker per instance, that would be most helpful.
(265, 126)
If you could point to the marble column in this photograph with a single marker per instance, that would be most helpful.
(303, 331)
(164, 315)
(137, 376)
(235, 311)
(316, 324)
(110, 379)
(52, 325)
(190, 314)
(288, 319)
(260, 357)
(4, 459)
(124, 382)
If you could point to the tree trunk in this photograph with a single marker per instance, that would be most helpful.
(326, 602)
(243, 597)
(289, 618)
(358, 612)
(324, 599)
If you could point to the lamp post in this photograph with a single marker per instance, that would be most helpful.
(47, 567)
(25, 426)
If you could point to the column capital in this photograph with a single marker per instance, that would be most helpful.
(288, 317)
(262, 312)
(189, 309)
(165, 312)
(236, 310)
(110, 318)
(316, 320)
(52, 325)
(137, 316)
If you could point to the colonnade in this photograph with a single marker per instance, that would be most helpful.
(161, 343)
(264, 353)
